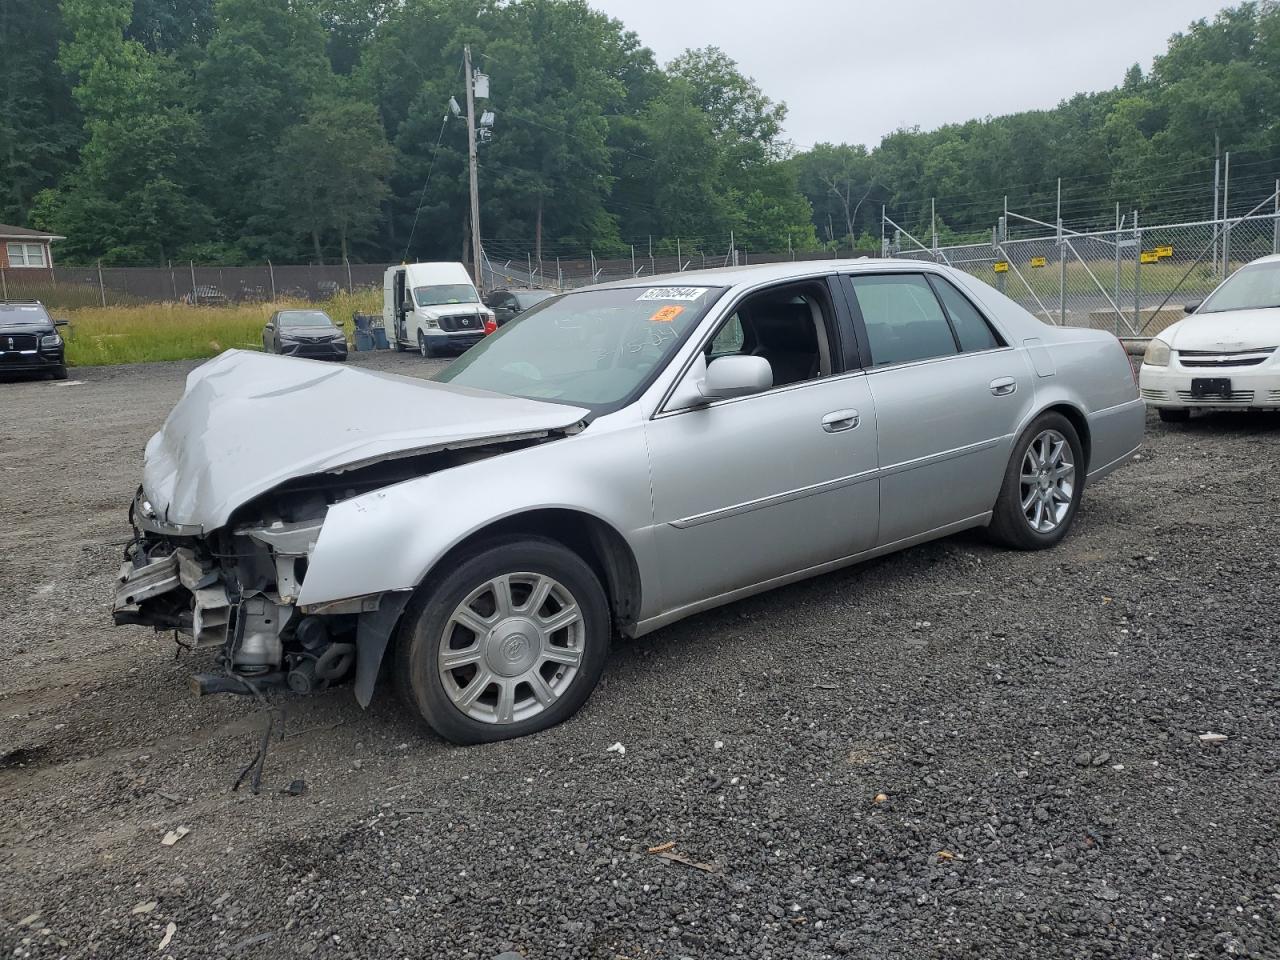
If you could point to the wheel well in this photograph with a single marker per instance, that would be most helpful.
(595, 541)
(1081, 423)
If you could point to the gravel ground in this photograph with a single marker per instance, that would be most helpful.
(953, 752)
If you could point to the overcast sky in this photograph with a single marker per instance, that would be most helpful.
(853, 71)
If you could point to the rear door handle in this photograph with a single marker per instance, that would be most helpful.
(1003, 386)
(838, 420)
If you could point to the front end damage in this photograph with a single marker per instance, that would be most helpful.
(236, 591)
(236, 490)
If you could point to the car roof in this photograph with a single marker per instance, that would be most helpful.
(757, 273)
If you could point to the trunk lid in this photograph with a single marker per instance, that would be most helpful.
(248, 422)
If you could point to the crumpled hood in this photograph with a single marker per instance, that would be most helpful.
(248, 422)
(1227, 331)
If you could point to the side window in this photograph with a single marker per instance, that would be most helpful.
(728, 339)
(903, 318)
(972, 330)
(788, 326)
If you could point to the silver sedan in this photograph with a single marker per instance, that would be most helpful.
(616, 459)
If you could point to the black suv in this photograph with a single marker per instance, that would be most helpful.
(29, 342)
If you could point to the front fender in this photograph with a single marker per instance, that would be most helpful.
(391, 538)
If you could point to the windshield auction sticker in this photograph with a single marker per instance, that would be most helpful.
(667, 314)
(673, 293)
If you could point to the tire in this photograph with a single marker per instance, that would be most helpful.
(424, 346)
(60, 373)
(1174, 415)
(1035, 528)
(516, 649)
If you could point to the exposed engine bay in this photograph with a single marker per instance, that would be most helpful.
(236, 588)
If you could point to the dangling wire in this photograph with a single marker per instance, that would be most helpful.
(423, 196)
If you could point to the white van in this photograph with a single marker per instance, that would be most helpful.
(434, 308)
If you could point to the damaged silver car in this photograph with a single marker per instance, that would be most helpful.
(619, 458)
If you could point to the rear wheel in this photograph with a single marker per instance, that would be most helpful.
(1174, 414)
(510, 641)
(1042, 486)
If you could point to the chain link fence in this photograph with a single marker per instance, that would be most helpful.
(62, 287)
(1133, 281)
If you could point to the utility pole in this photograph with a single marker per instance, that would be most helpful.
(471, 159)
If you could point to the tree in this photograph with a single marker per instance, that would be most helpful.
(746, 121)
(40, 126)
(265, 61)
(331, 173)
(131, 196)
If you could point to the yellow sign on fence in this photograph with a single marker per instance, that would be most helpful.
(1149, 256)
(1163, 252)
(1002, 266)
(1038, 261)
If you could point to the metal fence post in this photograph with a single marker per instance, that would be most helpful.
(1275, 223)
(173, 283)
(1117, 250)
(1137, 274)
(102, 291)
(1226, 215)
(633, 260)
(4, 285)
(679, 257)
(195, 294)
(271, 272)
(350, 288)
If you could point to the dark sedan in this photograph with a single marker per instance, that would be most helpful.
(509, 304)
(29, 342)
(304, 333)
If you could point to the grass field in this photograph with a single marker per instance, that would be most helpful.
(172, 331)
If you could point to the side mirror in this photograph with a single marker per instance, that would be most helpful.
(1192, 307)
(736, 376)
(61, 323)
(269, 326)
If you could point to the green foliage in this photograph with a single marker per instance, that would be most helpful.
(40, 126)
(242, 130)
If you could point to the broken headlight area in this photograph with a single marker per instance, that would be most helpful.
(236, 590)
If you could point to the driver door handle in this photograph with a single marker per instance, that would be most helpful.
(838, 420)
(1003, 386)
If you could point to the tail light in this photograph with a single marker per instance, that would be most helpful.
(1133, 373)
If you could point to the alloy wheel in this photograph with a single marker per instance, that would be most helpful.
(1047, 481)
(511, 648)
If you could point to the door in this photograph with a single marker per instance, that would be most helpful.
(754, 488)
(400, 295)
(948, 395)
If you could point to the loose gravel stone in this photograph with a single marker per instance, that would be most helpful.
(795, 743)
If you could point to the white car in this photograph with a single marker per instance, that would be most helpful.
(1226, 355)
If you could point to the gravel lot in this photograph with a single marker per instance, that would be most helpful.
(953, 752)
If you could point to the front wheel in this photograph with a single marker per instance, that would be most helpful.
(509, 641)
(1042, 486)
(424, 345)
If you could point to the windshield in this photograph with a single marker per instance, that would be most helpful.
(304, 318)
(1250, 288)
(445, 293)
(22, 313)
(591, 349)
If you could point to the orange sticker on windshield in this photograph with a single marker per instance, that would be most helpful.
(667, 314)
